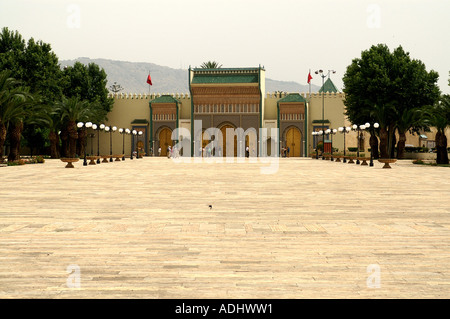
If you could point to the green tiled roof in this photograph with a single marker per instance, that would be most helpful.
(214, 79)
(292, 97)
(320, 121)
(139, 121)
(328, 86)
(222, 76)
(165, 99)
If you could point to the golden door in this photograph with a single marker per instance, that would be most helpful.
(165, 140)
(206, 139)
(223, 129)
(293, 141)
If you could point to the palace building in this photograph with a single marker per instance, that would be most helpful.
(232, 100)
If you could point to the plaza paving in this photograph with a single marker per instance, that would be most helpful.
(144, 229)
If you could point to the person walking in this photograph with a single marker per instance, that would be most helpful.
(159, 151)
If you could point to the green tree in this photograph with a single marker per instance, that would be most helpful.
(438, 116)
(15, 106)
(36, 66)
(211, 65)
(12, 46)
(88, 82)
(71, 111)
(382, 87)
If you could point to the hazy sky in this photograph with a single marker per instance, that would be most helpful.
(287, 37)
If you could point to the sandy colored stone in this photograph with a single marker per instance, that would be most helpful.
(145, 229)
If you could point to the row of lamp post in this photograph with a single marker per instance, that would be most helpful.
(344, 131)
(110, 130)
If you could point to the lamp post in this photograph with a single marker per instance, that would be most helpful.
(375, 126)
(139, 133)
(357, 129)
(323, 76)
(108, 130)
(321, 133)
(331, 132)
(123, 132)
(344, 130)
(80, 125)
(101, 127)
(112, 130)
(314, 134)
(134, 132)
(92, 135)
(86, 126)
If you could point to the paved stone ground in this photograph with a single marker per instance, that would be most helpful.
(144, 229)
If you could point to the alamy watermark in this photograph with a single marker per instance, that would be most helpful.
(74, 18)
(374, 278)
(239, 145)
(74, 278)
(374, 16)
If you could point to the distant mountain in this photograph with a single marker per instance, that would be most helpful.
(132, 77)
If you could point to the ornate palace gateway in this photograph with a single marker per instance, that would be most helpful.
(231, 99)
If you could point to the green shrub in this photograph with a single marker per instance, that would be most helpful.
(353, 149)
(40, 159)
(411, 149)
(320, 146)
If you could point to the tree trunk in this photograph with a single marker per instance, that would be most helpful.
(2, 140)
(81, 142)
(53, 137)
(15, 133)
(392, 142)
(373, 142)
(384, 137)
(73, 136)
(64, 152)
(441, 148)
(401, 145)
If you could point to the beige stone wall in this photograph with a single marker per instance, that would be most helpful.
(128, 107)
(334, 109)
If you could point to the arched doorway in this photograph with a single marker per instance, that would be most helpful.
(293, 141)
(165, 140)
(223, 129)
(206, 139)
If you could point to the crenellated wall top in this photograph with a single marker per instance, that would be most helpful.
(279, 95)
(144, 96)
(181, 96)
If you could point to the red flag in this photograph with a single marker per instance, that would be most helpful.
(309, 77)
(149, 80)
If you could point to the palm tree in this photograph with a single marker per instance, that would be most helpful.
(71, 111)
(211, 65)
(408, 119)
(15, 105)
(48, 116)
(385, 116)
(438, 116)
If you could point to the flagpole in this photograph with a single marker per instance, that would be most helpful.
(151, 120)
(309, 85)
(307, 111)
